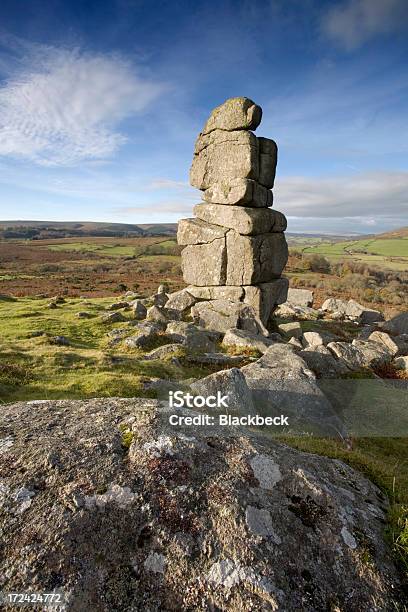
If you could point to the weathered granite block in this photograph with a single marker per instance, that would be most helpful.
(244, 220)
(222, 156)
(234, 114)
(196, 231)
(255, 259)
(239, 192)
(268, 156)
(205, 264)
(266, 296)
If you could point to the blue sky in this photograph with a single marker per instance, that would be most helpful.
(101, 101)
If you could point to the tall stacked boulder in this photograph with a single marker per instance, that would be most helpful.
(235, 248)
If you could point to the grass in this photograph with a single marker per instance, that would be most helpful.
(102, 249)
(31, 367)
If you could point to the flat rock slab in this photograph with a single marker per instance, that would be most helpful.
(239, 192)
(244, 220)
(173, 506)
(255, 259)
(196, 231)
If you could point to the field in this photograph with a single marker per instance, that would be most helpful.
(390, 253)
(92, 267)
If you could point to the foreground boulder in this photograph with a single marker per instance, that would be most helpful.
(106, 501)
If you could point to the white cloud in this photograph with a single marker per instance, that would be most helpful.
(370, 195)
(61, 107)
(352, 23)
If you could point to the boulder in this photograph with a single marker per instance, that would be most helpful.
(113, 317)
(200, 340)
(118, 305)
(180, 301)
(222, 156)
(282, 383)
(397, 325)
(221, 315)
(244, 220)
(155, 313)
(162, 352)
(266, 296)
(318, 338)
(268, 156)
(234, 114)
(177, 331)
(334, 305)
(239, 192)
(401, 363)
(291, 330)
(139, 310)
(143, 334)
(233, 293)
(114, 489)
(216, 359)
(205, 264)
(196, 231)
(290, 311)
(364, 315)
(254, 259)
(242, 338)
(295, 343)
(300, 297)
(386, 340)
(230, 383)
(360, 353)
(321, 361)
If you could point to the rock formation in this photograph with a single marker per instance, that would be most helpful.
(235, 248)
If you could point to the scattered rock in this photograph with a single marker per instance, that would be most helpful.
(118, 305)
(364, 315)
(401, 363)
(291, 330)
(318, 338)
(230, 383)
(397, 325)
(83, 314)
(321, 361)
(113, 317)
(154, 313)
(60, 341)
(139, 309)
(300, 297)
(162, 352)
(240, 337)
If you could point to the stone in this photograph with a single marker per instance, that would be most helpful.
(221, 315)
(234, 114)
(255, 259)
(232, 293)
(246, 221)
(154, 313)
(266, 296)
(222, 156)
(239, 192)
(162, 352)
(397, 325)
(161, 289)
(217, 359)
(205, 264)
(334, 305)
(268, 156)
(113, 317)
(386, 340)
(290, 311)
(177, 331)
(300, 297)
(139, 310)
(230, 383)
(83, 314)
(291, 330)
(321, 361)
(143, 334)
(118, 305)
(360, 353)
(295, 343)
(196, 231)
(200, 340)
(180, 301)
(145, 499)
(60, 341)
(282, 383)
(318, 338)
(401, 363)
(241, 338)
(354, 310)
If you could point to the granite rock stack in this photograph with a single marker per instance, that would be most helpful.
(235, 248)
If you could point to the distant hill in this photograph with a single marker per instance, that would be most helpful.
(402, 232)
(40, 230)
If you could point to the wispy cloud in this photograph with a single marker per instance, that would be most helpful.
(353, 22)
(369, 196)
(60, 106)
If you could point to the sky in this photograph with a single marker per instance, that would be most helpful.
(101, 102)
